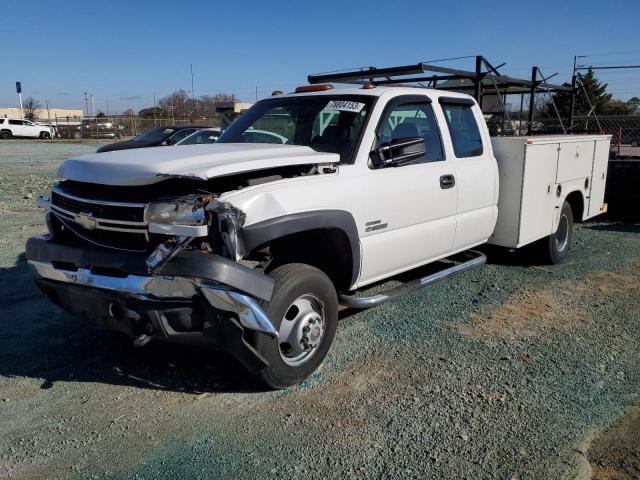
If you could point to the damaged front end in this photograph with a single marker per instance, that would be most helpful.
(185, 283)
(229, 222)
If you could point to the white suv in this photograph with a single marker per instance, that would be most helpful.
(10, 127)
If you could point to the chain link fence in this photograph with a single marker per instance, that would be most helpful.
(624, 129)
(118, 127)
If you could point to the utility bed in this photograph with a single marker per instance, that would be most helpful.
(535, 172)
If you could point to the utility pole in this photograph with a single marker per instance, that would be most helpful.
(154, 110)
(256, 93)
(86, 103)
(93, 110)
(49, 120)
(574, 79)
(193, 98)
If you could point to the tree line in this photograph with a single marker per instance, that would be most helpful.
(177, 104)
(591, 97)
(180, 104)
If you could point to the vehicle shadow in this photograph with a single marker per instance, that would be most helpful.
(625, 225)
(37, 340)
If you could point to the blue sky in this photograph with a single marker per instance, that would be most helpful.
(124, 51)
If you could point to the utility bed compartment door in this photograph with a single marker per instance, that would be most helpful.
(599, 179)
(574, 160)
(538, 192)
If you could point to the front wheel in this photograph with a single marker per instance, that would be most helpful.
(45, 135)
(555, 248)
(304, 310)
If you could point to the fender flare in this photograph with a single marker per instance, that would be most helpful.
(564, 197)
(263, 232)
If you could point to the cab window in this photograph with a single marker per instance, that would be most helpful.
(411, 120)
(465, 134)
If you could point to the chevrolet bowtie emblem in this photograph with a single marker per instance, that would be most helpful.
(86, 220)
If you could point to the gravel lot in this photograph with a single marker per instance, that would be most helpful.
(508, 371)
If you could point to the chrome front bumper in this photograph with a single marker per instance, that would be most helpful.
(158, 287)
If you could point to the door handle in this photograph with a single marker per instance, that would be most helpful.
(447, 181)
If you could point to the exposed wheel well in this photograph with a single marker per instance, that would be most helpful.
(576, 202)
(327, 249)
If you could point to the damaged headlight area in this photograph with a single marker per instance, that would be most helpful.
(230, 221)
(182, 217)
(215, 223)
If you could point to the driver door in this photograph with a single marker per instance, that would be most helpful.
(409, 210)
(17, 128)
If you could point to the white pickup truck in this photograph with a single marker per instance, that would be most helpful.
(253, 247)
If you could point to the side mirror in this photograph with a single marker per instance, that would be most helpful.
(170, 141)
(399, 152)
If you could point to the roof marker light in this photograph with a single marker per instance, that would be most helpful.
(275, 93)
(314, 88)
(368, 85)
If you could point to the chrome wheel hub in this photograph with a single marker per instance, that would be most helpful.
(301, 330)
(562, 233)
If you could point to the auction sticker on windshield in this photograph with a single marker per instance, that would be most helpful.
(345, 106)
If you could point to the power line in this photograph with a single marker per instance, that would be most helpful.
(608, 53)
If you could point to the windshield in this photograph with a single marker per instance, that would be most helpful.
(326, 123)
(155, 135)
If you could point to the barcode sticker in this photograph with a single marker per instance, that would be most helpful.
(345, 106)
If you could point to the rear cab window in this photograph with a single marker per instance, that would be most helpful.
(463, 127)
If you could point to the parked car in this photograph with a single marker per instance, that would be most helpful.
(13, 127)
(100, 128)
(252, 247)
(206, 135)
(89, 128)
(160, 136)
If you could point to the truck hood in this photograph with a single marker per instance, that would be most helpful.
(151, 165)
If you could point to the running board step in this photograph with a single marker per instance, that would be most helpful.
(475, 259)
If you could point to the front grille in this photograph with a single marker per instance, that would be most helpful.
(112, 238)
(113, 225)
(99, 210)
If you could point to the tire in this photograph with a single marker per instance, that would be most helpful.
(45, 135)
(303, 298)
(555, 248)
(5, 135)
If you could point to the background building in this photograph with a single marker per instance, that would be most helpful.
(42, 114)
